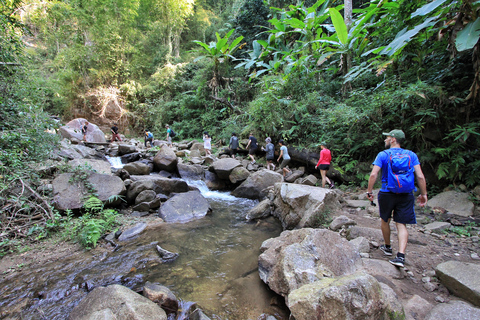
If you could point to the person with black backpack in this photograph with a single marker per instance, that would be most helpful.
(399, 168)
(170, 135)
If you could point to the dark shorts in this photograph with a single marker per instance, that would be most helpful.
(284, 163)
(401, 204)
(252, 151)
(270, 159)
(324, 167)
(233, 151)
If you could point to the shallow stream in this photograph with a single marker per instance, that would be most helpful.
(216, 268)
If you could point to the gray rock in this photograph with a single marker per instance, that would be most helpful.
(341, 221)
(361, 244)
(358, 203)
(354, 296)
(417, 307)
(208, 160)
(161, 295)
(183, 207)
(393, 306)
(294, 175)
(310, 180)
(196, 154)
(260, 211)
(238, 174)
(213, 182)
(383, 268)
(198, 146)
(73, 130)
(454, 202)
(461, 278)
(126, 149)
(255, 185)
(132, 232)
(299, 206)
(166, 255)
(131, 157)
(224, 167)
(99, 166)
(165, 159)
(116, 302)
(145, 196)
(137, 168)
(69, 194)
(155, 183)
(193, 172)
(303, 256)
(142, 207)
(369, 233)
(458, 310)
(437, 226)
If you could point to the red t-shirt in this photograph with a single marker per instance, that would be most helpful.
(325, 157)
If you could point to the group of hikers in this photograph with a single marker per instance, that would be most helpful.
(399, 168)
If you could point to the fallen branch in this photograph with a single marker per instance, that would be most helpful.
(50, 212)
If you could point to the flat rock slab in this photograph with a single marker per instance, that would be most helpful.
(383, 268)
(358, 203)
(132, 232)
(184, 207)
(454, 202)
(99, 166)
(461, 278)
(437, 226)
(453, 310)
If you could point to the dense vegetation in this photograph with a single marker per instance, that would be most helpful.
(294, 71)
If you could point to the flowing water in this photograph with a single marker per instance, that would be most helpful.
(115, 162)
(216, 267)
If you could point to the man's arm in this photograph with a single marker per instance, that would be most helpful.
(371, 181)
(422, 185)
(280, 155)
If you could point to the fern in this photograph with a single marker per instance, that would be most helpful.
(93, 205)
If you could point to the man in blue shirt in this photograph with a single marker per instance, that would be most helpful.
(400, 204)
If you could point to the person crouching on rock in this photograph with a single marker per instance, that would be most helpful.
(115, 134)
(148, 138)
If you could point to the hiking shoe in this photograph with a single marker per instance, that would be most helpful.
(253, 162)
(332, 185)
(386, 251)
(397, 261)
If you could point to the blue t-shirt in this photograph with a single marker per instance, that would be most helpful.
(285, 154)
(382, 161)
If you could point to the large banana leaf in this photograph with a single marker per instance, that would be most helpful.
(339, 24)
(468, 37)
(429, 7)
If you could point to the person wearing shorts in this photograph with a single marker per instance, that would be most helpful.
(85, 130)
(286, 157)
(115, 134)
(169, 139)
(324, 164)
(400, 205)
(252, 143)
(270, 153)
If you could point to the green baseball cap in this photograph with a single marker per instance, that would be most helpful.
(398, 134)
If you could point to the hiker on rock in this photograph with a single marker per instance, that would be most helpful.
(169, 136)
(252, 143)
(84, 131)
(207, 143)
(233, 145)
(324, 164)
(115, 134)
(270, 156)
(148, 138)
(286, 158)
(399, 169)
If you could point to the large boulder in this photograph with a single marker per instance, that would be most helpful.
(99, 166)
(155, 183)
(193, 172)
(161, 295)
(137, 168)
(354, 296)
(454, 202)
(198, 146)
(73, 129)
(238, 174)
(223, 167)
(184, 207)
(69, 191)
(461, 278)
(124, 149)
(165, 159)
(213, 182)
(304, 256)
(255, 185)
(260, 211)
(453, 310)
(116, 302)
(76, 151)
(299, 206)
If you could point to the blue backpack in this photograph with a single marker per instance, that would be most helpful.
(401, 177)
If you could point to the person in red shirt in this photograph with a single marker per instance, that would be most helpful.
(324, 164)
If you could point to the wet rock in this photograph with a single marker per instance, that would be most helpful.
(437, 226)
(166, 255)
(116, 302)
(454, 202)
(255, 185)
(165, 159)
(123, 174)
(100, 166)
(155, 183)
(355, 296)
(213, 182)
(70, 195)
(304, 256)
(162, 296)
(73, 130)
(183, 207)
(126, 149)
(238, 174)
(193, 172)
(461, 278)
(260, 211)
(131, 157)
(137, 168)
(224, 167)
(299, 206)
(145, 196)
(341, 221)
(132, 232)
(453, 310)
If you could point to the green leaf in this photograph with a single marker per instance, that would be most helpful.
(426, 9)
(263, 43)
(295, 23)
(468, 37)
(340, 26)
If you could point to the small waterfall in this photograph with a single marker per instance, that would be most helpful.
(115, 162)
(216, 195)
